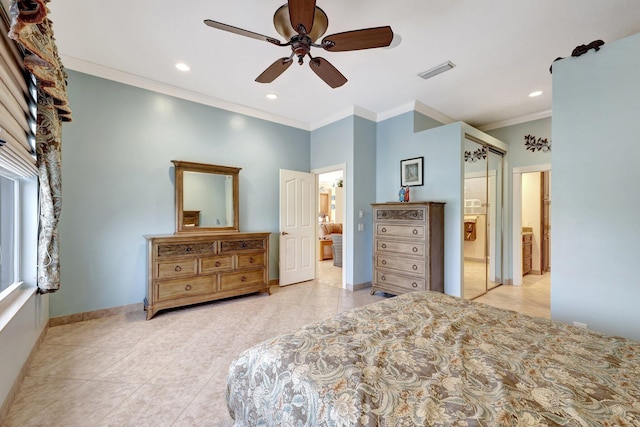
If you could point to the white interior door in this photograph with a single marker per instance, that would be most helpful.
(298, 221)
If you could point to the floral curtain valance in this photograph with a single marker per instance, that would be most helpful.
(31, 28)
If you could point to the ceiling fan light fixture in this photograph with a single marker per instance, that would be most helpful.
(283, 24)
(437, 70)
(272, 96)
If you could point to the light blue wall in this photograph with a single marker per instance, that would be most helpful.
(441, 148)
(595, 174)
(332, 145)
(514, 135)
(118, 182)
(364, 193)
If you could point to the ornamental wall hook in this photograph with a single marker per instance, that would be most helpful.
(531, 144)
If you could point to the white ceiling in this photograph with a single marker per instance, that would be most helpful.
(502, 50)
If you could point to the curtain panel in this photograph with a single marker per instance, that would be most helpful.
(31, 28)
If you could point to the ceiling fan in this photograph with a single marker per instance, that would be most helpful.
(302, 23)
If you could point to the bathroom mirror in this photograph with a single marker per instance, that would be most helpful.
(206, 197)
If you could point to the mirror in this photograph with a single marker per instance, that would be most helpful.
(206, 197)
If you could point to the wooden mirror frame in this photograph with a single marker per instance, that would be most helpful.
(182, 167)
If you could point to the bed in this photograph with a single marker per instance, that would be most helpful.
(426, 358)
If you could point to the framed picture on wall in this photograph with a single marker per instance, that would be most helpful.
(411, 172)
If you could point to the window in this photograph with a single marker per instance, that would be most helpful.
(8, 234)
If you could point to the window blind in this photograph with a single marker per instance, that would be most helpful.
(17, 108)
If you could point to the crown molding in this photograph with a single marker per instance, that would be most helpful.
(93, 69)
(433, 113)
(348, 112)
(516, 120)
(97, 70)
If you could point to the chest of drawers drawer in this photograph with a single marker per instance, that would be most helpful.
(177, 268)
(404, 264)
(245, 278)
(227, 246)
(411, 248)
(181, 288)
(251, 261)
(408, 283)
(215, 264)
(401, 231)
(186, 249)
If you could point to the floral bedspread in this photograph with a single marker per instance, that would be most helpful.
(426, 358)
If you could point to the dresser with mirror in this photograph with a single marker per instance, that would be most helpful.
(207, 258)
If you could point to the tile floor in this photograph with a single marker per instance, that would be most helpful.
(171, 370)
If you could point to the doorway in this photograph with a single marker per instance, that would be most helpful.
(531, 216)
(483, 218)
(331, 225)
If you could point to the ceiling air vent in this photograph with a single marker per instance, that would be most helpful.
(437, 70)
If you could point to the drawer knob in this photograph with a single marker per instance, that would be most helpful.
(414, 284)
(384, 229)
(217, 263)
(188, 249)
(415, 267)
(244, 279)
(383, 278)
(384, 262)
(415, 249)
(384, 246)
(187, 288)
(178, 268)
(251, 260)
(244, 244)
(415, 231)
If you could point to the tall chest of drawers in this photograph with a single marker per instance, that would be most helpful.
(408, 247)
(190, 269)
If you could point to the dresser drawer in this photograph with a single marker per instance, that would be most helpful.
(408, 214)
(174, 269)
(180, 249)
(408, 265)
(409, 283)
(251, 261)
(241, 245)
(403, 231)
(215, 264)
(167, 290)
(400, 247)
(230, 281)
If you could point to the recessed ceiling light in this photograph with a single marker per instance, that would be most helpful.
(272, 96)
(182, 66)
(536, 93)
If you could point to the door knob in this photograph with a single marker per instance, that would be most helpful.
(284, 233)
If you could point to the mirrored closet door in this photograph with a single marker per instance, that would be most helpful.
(483, 218)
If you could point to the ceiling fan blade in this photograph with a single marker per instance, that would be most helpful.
(301, 13)
(358, 39)
(327, 72)
(240, 31)
(274, 70)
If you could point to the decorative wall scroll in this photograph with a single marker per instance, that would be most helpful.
(540, 144)
(480, 153)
